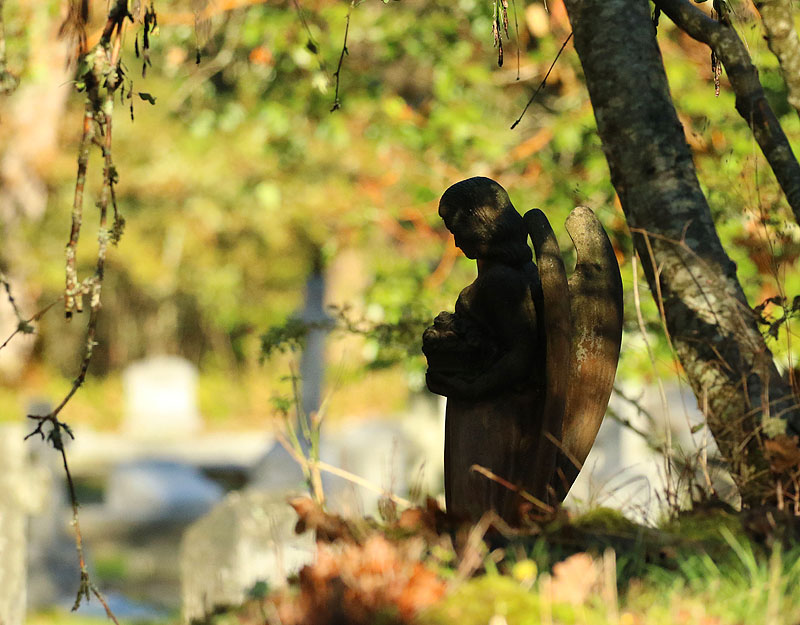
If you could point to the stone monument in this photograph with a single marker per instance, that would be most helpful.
(528, 358)
(247, 538)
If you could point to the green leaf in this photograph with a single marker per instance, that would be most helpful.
(147, 97)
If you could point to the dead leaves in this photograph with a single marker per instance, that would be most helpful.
(360, 575)
(783, 453)
(360, 584)
(327, 527)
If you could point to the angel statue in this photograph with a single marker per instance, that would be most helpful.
(528, 358)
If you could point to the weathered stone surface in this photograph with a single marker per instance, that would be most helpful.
(247, 538)
(595, 294)
(487, 359)
(159, 490)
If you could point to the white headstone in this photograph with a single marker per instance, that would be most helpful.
(161, 398)
(20, 494)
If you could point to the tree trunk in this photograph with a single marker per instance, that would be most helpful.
(710, 325)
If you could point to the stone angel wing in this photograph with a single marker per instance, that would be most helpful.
(582, 330)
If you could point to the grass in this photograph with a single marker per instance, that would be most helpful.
(594, 570)
(744, 585)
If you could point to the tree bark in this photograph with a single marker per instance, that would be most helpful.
(709, 323)
(778, 19)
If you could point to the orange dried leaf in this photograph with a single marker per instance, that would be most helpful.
(783, 453)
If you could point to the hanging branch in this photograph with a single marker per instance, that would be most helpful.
(543, 83)
(99, 75)
(336, 102)
(22, 325)
(751, 102)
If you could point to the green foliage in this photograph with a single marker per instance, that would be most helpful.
(290, 335)
(606, 519)
(239, 172)
(479, 600)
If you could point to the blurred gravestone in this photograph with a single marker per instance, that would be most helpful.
(246, 539)
(161, 398)
(20, 494)
(158, 490)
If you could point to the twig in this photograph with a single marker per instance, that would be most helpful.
(87, 587)
(350, 477)
(472, 556)
(336, 102)
(73, 300)
(311, 44)
(506, 484)
(644, 434)
(516, 32)
(543, 83)
(24, 325)
(567, 453)
(751, 101)
(10, 296)
(643, 330)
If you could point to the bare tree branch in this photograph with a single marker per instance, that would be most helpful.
(778, 19)
(751, 102)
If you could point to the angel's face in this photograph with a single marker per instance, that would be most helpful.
(468, 232)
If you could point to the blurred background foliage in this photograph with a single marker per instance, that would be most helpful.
(240, 178)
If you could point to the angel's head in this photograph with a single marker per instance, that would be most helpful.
(484, 222)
